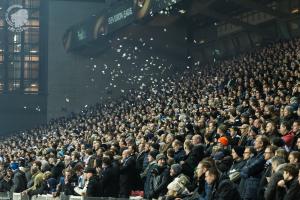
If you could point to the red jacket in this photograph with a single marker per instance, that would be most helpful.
(288, 138)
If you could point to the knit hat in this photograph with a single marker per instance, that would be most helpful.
(14, 166)
(223, 140)
(160, 156)
(239, 150)
(176, 168)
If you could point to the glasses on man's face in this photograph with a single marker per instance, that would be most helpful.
(267, 152)
(246, 152)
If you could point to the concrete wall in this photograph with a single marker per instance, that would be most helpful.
(135, 53)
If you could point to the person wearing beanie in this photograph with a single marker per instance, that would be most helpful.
(223, 141)
(238, 163)
(147, 174)
(161, 157)
(160, 177)
(19, 180)
(175, 170)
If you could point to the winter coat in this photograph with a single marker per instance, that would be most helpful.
(263, 181)
(271, 189)
(159, 181)
(93, 187)
(148, 176)
(224, 190)
(192, 160)
(108, 180)
(292, 190)
(128, 176)
(19, 182)
(251, 174)
(235, 170)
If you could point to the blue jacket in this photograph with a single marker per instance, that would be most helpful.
(251, 174)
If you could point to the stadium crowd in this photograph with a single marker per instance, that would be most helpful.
(227, 131)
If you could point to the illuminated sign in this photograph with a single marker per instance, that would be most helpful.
(17, 18)
(120, 16)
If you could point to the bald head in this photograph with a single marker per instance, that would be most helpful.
(126, 153)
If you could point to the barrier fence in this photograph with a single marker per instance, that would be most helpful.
(18, 196)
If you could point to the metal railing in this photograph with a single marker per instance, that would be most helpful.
(18, 196)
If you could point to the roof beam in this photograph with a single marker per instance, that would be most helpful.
(201, 8)
(226, 18)
(263, 8)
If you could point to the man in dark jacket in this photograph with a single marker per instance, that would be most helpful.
(141, 156)
(147, 174)
(160, 177)
(252, 171)
(128, 174)
(93, 186)
(57, 167)
(67, 183)
(109, 179)
(289, 186)
(179, 151)
(277, 175)
(220, 188)
(268, 155)
(194, 157)
(238, 164)
(19, 181)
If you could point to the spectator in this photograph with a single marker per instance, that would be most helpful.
(294, 158)
(179, 151)
(252, 171)
(128, 174)
(67, 183)
(268, 155)
(147, 174)
(238, 164)
(19, 180)
(160, 177)
(289, 187)
(94, 188)
(287, 135)
(108, 179)
(220, 189)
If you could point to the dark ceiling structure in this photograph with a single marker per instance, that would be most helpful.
(206, 11)
(195, 15)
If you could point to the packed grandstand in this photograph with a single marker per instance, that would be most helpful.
(227, 130)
